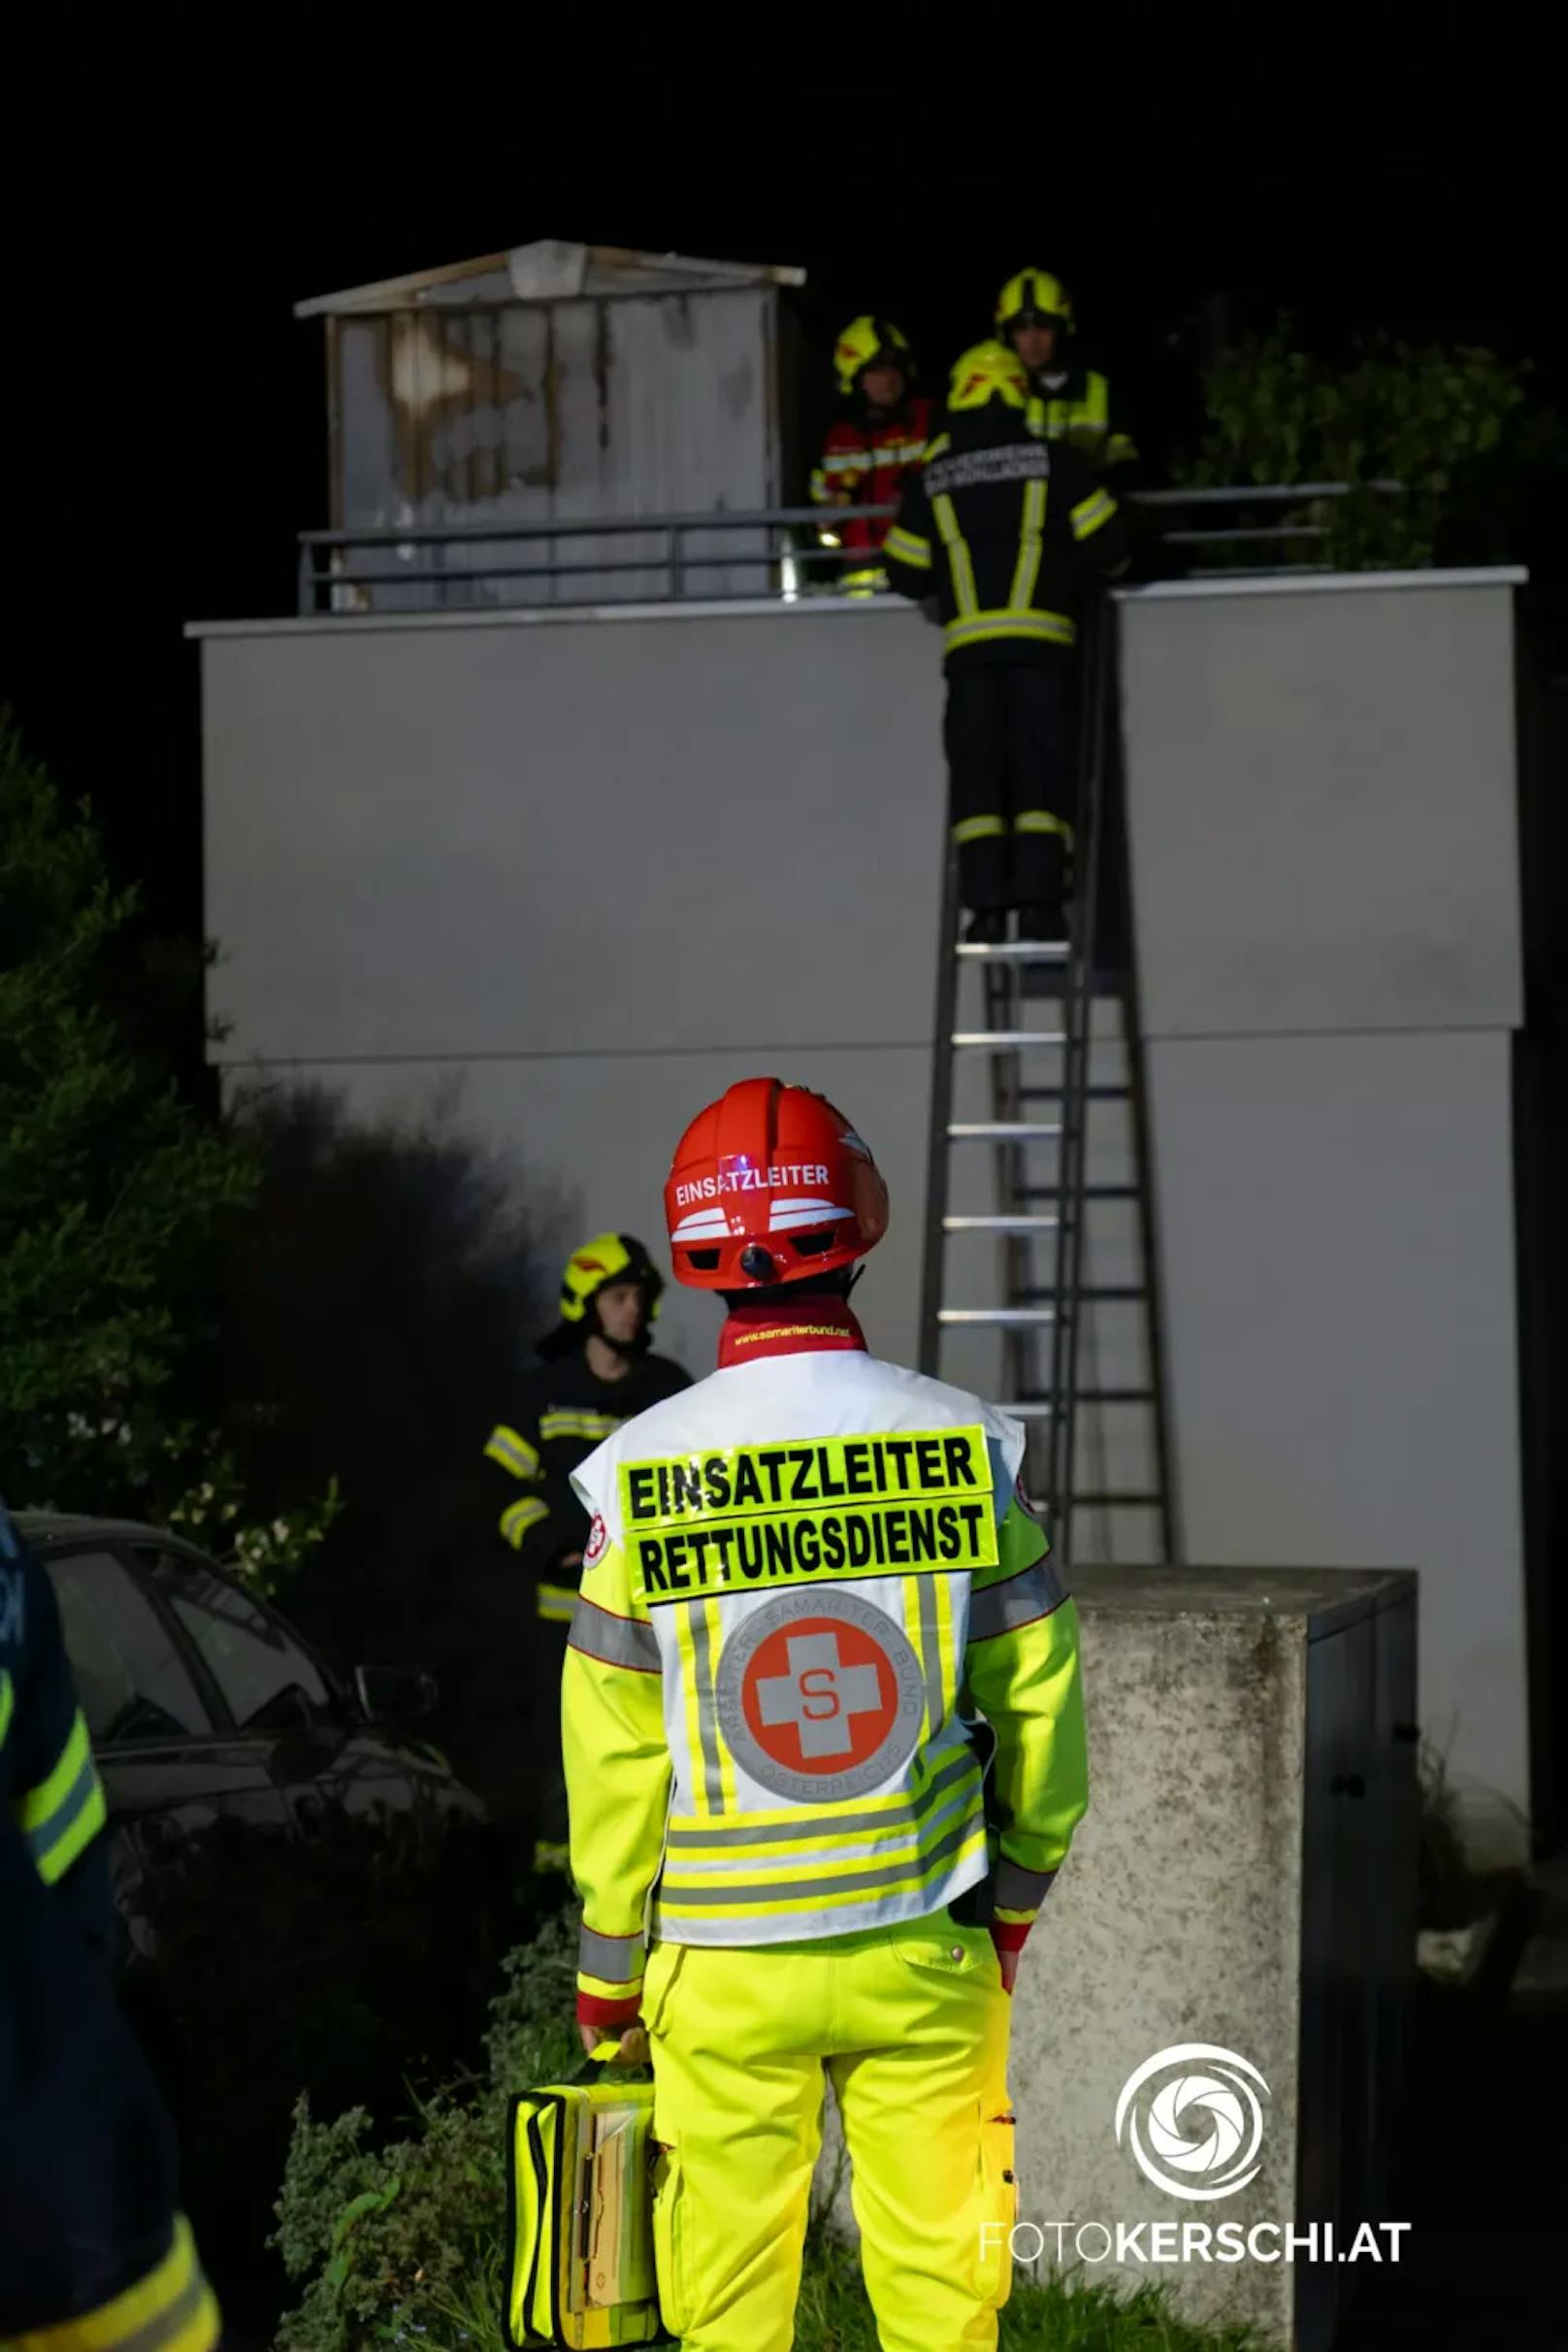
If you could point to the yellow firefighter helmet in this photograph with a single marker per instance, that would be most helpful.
(1033, 295)
(988, 372)
(865, 342)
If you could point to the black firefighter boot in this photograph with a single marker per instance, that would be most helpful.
(1040, 876)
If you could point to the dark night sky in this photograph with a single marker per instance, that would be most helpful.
(193, 173)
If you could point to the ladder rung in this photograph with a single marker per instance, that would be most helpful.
(997, 1315)
(998, 1039)
(1003, 1130)
(1094, 1093)
(1000, 1225)
(1091, 1191)
(1015, 951)
(1104, 1291)
(1118, 1502)
(1092, 1396)
(1027, 1408)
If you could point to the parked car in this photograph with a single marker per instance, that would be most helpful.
(309, 1899)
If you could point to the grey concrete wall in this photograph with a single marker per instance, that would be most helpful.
(570, 876)
(647, 835)
(1177, 1919)
(572, 873)
(1320, 789)
(1323, 785)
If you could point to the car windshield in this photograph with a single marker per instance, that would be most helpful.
(269, 1682)
(133, 1683)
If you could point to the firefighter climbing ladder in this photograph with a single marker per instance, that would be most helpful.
(1037, 1059)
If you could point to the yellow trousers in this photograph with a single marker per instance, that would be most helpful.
(911, 2025)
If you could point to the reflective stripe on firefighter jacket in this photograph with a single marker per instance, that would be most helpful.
(1074, 405)
(1000, 525)
(797, 1568)
(49, 1782)
(562, 1412)
(96, 2258)
(866, 462)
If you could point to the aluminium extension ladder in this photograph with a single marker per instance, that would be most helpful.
(1038, 1286)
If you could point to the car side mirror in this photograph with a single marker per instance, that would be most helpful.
(393, 1696)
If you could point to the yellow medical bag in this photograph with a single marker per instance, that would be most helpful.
(579, 2216)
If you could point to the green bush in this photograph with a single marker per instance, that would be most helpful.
(125, 1201)
(387, 2240)
(1457, 427)
(121, 1198)
(405, 2244)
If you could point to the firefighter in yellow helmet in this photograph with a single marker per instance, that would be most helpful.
(1069, 402)
(596, 1372)
(778, 1811)
(878, 436)
(1001, 526)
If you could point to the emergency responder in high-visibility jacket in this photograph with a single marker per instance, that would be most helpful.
(95, 2254)
(1000, 525)
(796, 1569)
(1067, 401)
(596, 1372)
(874, 444)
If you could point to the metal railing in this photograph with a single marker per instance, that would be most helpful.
(669, 563)
(437, 567)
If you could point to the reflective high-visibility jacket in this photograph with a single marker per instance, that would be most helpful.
(1000, 525)
(96, 2257)
(1074, 405)
(865, 460)
(563, 1412)
(796, 1569)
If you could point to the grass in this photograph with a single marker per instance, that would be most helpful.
(1057, 2316)
(835, 2316)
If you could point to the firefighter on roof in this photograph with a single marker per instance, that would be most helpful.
(1067, 401)
(778, 1822)
(596, 1372)
(877, 440)
(1000, 526)
(94, 2255)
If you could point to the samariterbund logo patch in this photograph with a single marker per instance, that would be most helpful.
(820, 1696)
(751, 1517)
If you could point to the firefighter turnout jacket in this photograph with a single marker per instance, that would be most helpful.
(563, 1413)
(1073, 404)
(795, 1570)
(866, 459)
(96, 2257)
(1000, 525)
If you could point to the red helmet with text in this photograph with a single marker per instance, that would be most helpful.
(771, 1184)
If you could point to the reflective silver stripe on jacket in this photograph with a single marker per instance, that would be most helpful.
(1019, 1889)
(1002, 1607)
(617, 1959)
(615, 1641)
(829, 1825)
(679, 1896)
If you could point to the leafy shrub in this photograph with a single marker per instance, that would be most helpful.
(1457, 428)
(389, 2241)
(120, 1197)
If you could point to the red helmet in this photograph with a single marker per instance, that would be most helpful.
(771, 1184)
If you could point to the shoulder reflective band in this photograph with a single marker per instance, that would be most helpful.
(751, 1517)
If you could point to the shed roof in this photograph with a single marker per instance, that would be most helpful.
(549, 270)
